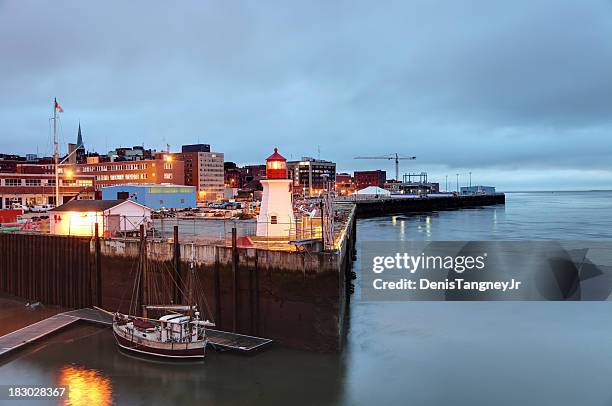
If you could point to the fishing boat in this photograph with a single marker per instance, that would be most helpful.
(174, 335)
(177, 332)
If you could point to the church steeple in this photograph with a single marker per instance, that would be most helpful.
(79, 142)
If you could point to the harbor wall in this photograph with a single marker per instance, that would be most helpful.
(386, 206)
(56, 270)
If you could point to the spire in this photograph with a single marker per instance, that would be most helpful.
(80, 138)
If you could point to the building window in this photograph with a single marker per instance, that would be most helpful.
(167, 176)
(33, 182)
(273, 220)
(12, 182)
(182, 200)
(167, 165)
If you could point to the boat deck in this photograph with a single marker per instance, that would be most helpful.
(13, 341)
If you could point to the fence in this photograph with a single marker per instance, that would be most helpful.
(195, 229)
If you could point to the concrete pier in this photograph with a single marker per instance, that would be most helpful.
(396, 205)
(295, 297)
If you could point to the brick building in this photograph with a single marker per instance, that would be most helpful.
(363, 179)
(162, 170)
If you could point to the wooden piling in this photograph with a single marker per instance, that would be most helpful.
(234, 280)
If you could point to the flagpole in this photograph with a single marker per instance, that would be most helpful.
(55, 152)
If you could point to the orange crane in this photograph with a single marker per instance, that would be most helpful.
(391, 157)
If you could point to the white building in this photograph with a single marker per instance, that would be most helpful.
(78, 217)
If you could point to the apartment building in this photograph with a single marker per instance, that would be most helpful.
(202, 169)
(311, 176)
(211, 178)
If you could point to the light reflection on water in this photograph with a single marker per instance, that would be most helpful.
(86, 387)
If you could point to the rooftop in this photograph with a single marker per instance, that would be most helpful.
(88, 205)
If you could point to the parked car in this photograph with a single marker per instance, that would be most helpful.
(40, 208)
(19, 206)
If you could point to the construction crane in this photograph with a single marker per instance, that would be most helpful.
(391, 157)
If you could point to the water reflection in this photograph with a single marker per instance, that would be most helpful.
(85, 386)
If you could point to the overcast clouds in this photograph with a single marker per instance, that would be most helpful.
(518, 92)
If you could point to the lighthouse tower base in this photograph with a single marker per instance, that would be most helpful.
(276, 212)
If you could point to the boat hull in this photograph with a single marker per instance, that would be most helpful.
(172, 350)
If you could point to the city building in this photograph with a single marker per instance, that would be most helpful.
(234, 176)
(254, 172)
(135, 153)
(478, 190)
(202, 169)
(344, 184)
(211, 181)
(158, 171)
(195, 148)
(393, 186)
(154, 196)
(76, 152)
(37, 189)
(311, 176)
(79, 217)
(363, 179)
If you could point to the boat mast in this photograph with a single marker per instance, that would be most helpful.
(55, 152)
(190, 301)
(143, 291)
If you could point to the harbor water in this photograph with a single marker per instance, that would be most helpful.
(422, 353)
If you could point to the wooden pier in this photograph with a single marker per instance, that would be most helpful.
(217, 339)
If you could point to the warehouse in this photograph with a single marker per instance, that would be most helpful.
(154, 196)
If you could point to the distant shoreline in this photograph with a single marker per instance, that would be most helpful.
(556, 191)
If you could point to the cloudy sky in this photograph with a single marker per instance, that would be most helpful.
(517, 92)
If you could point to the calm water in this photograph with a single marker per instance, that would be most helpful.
(421, 353)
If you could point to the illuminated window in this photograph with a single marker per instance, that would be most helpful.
(167, 176)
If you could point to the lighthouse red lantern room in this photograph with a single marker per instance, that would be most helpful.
(276, 212)
(276, 166)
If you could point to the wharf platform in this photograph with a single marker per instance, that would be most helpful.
(386, 205)
(11, 342)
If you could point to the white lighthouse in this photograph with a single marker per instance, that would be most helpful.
(276, 212)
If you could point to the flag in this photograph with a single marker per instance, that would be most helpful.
(58, 107)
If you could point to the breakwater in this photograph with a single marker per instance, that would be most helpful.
(396, 205)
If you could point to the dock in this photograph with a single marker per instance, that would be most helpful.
(387, 205)
(11, 342)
